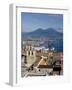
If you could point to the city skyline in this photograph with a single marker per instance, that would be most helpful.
(33, 21)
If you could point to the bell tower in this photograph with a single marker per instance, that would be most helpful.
(31, 56)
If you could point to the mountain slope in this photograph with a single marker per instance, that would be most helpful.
(47, 33)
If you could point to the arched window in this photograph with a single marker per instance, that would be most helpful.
(29, 53)
(32, 52)
(25, 61)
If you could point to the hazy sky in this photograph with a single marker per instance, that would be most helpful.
(33, 21)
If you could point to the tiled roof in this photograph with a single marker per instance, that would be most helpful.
(44, 66)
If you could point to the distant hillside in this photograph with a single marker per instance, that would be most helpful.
(55, 38)
(47, 33)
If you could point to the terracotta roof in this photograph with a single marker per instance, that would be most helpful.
(42, 54)
(43, 62)
(44, 66)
